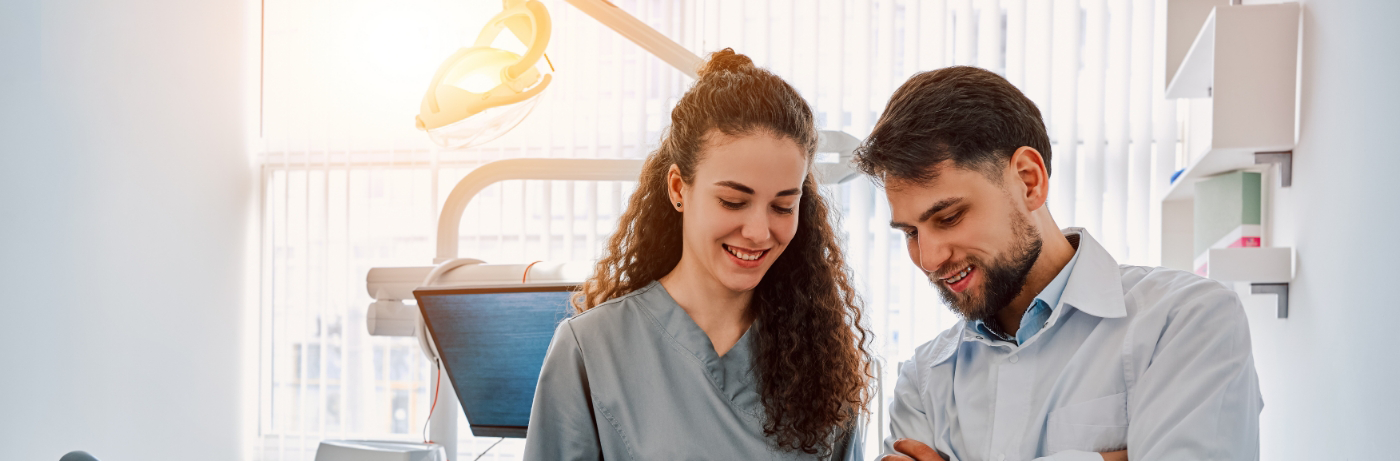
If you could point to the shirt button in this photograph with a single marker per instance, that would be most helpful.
(1014, 359)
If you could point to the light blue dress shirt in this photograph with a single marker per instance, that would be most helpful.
(1154, 360)
(1038, 314)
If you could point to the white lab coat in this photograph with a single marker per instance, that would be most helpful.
(1154, 360)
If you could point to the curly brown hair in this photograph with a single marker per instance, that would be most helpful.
(811, 353)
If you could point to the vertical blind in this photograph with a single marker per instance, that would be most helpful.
(349, 184)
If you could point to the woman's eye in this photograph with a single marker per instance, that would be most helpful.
(784, 210)
(731, 205)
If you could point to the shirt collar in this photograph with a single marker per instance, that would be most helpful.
(732, 373)
(1056, 288)
(1050, 295)
(676, 323)
(1096, 285)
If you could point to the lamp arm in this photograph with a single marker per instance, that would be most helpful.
(642, 34)
(689, 63)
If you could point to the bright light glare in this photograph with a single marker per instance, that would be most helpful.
(479, 80)
(481, 69)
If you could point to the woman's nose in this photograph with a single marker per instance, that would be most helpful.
(756, 227)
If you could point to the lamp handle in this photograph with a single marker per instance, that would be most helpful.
(535, 35)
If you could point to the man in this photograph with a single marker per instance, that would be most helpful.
(1062, 353)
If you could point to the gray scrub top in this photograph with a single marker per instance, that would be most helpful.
(636, 378)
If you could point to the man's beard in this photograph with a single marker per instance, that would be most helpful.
(1002, 279)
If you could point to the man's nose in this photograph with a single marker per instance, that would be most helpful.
(932, 253)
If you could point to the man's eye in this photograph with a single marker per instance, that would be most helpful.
(911, 234)
(951, 220)
(731, 205)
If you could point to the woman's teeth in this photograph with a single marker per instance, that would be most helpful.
(958, 277)
(744, 255)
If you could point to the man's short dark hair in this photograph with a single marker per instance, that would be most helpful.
(965, 114)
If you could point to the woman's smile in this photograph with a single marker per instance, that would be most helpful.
(744, 257)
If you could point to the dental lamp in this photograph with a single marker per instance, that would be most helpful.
(481, 92)
(499, 88)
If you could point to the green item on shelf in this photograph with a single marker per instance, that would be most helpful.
(1227, 214)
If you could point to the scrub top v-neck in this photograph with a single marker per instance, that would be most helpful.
(636, 378)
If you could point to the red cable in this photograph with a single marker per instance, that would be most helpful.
(436, 386)
(527, 271)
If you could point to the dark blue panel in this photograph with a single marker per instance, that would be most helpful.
(492, 346)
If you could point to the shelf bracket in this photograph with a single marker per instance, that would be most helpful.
(1284, 159)
(1280, 289)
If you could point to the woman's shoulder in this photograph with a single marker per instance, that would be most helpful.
(614, 313)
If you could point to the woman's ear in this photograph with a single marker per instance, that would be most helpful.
(675, 187)
(1027, 168)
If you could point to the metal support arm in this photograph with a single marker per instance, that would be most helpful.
(1280, 289)
(582, 169)
(1284, 159)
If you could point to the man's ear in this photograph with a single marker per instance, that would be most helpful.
(675, 186)
(1027, 169)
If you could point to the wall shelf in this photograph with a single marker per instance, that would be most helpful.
(1211, 163)
(1240, 73)
(1255, 265)
(1243, 50)
(1244, 62)
(1268, 270)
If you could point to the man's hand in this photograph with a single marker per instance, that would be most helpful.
(912, 450)
(1121, 455)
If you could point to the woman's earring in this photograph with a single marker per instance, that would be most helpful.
(678, 206)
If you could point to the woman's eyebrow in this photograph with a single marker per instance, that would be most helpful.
(749, 190)
(735, 186)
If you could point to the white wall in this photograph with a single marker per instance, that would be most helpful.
(126, 195)
(1330, 372)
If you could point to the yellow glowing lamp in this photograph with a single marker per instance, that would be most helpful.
(481, 92)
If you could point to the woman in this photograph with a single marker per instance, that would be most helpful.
(721, 324)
